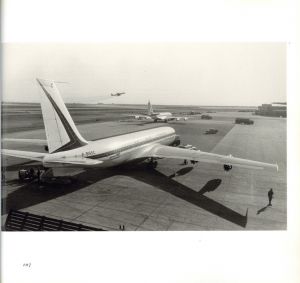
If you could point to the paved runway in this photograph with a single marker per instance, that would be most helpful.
(200, 197)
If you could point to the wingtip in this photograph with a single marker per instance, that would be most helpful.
(273, 167)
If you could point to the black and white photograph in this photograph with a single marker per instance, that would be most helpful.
(135, 137)
(149, 141)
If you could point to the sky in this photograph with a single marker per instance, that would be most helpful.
(243, 74)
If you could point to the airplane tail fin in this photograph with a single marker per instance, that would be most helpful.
(61, 131)
(150, 109)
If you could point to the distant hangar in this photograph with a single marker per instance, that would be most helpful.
(277, 109)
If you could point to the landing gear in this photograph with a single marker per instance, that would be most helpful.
(227, 167)
(152, 163)
(26, 175)
(47, 173)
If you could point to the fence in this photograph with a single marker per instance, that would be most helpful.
(25, 221)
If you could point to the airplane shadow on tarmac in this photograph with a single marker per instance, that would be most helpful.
(182, 172)
(30, 194)
(158, 180)
(210, 186)
(33, 193)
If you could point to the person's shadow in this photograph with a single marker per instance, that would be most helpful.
(262, 209)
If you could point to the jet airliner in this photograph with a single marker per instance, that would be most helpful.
(67, 148)
(156, 116)
(117, 94)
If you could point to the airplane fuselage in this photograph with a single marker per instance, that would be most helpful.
(161, 116)
(113, 151)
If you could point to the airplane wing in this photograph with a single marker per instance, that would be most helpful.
(163, 151)
(38, 156)
(28, 141)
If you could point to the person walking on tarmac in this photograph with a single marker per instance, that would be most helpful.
(270, 196)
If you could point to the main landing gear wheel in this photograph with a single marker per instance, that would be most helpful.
(152, 163)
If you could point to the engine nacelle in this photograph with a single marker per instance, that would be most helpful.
(227, 167)
(176, 142)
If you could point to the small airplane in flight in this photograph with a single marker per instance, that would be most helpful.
(117, 94)
(67, 148)
(157, 117)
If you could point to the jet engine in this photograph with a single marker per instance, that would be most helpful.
(227, 167)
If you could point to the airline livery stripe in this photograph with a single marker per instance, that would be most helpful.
(119, 150)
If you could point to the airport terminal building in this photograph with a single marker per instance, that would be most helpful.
(272, 110)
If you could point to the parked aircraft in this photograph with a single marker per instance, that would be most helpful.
(280, 103)
(117, 94)
(157, 117)
(67, 148)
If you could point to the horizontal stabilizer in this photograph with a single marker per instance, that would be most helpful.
(24, 154)
(71, 162)
(28, 141)
(197, 155)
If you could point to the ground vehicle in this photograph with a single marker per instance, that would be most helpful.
(244, 121)
(211, 131)
(27, 174)
(206, 117)
(36, 173)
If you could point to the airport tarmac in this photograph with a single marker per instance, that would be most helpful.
(199, 197)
